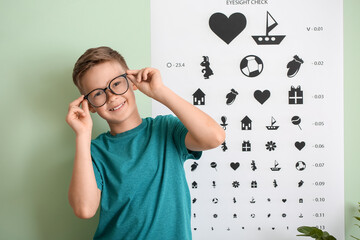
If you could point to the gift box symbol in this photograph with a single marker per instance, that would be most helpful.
(296, 95)
(246, 146)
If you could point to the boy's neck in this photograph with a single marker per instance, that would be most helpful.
(126, 125)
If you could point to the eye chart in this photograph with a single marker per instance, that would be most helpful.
(270, 72)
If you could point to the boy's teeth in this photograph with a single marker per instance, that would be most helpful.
(116, 108)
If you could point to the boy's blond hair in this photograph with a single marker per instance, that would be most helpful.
(92, 57)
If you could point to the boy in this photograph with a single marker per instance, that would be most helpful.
(135, 171)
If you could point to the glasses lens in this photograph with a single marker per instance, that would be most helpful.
(97, 97)
(119, 85)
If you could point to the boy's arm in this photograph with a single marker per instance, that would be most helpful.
(84, 195)
(203, 132)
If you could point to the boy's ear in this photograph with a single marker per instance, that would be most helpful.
(91, 108)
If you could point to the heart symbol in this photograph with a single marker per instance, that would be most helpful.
(234, 165)
(227, 28)
(284, 200)
(300, 145)
(262, 96)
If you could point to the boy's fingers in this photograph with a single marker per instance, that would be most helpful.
(132, 79)
(139, 75)
(145, 73)
(132, 72)
(77, 101)
(85, 106)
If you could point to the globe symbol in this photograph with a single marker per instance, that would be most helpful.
(300, 166)
(251, 66)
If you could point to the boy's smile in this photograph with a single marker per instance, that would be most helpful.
(118, 107)
(120, 111)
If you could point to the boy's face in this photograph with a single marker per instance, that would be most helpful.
(117, 108)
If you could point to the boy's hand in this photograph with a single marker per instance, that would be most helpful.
(78, 117)
(147, 80)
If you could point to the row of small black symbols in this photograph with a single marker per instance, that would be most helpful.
(228, 229)
(228, 28)
(252, 65)
(252, 200)
(246, 123)
(296, 96)
(300, 166)
(253, 215)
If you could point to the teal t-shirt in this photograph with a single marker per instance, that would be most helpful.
(141, 175)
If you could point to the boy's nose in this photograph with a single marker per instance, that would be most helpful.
(110, 95)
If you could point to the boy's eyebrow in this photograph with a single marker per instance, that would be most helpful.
(108, 82)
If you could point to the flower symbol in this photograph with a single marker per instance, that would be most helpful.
(236, 184)
(270, 146)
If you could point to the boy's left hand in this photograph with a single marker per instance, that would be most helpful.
(147, 80)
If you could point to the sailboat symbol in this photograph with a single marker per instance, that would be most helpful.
(272, 127)
(275, 168)
(269, 39)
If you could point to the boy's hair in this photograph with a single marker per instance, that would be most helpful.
(92, 57)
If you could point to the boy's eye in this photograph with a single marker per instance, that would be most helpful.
(98, 93)
(117, 83)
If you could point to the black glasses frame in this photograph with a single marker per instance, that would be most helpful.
(108, 87)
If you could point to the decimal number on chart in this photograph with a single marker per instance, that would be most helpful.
(319, 146)
(319, 165)
(321, 227)
(319, 96)
(319, 124)
(319, 199)
(175, 65)
(318, 63)
(319, 183)
(319, 215)
(315, 29)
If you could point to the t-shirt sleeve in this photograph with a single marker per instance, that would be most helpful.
(179, 132)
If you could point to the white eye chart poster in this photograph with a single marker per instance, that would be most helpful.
(270, 72)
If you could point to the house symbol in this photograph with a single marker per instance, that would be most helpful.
(246, 123)
(246, 146)
(253, 184)
(199, 97)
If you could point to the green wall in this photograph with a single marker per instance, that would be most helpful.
(39, 44)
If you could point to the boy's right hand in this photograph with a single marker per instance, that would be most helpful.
(78, 117)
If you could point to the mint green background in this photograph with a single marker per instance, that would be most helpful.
(39, 43)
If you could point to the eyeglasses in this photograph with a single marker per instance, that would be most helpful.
(117, 86)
